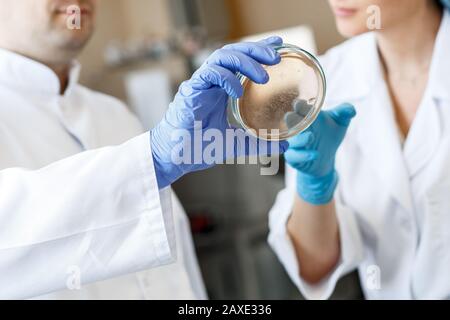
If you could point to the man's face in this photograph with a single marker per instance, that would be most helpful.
(47, 29)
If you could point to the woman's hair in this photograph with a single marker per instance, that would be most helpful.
(444, 3)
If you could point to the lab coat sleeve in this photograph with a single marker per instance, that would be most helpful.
(187, 251)
(89, 217)
(279, 240)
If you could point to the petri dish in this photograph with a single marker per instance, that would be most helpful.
(289, 103)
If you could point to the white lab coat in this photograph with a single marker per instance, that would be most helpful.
(393, 200)
(68, 214)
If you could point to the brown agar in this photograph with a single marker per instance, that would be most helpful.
(292, 97)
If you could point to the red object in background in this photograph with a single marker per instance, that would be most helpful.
(201, 223)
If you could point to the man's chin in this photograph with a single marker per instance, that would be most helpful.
(72, 40)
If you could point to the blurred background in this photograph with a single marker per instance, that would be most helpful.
(141, 52)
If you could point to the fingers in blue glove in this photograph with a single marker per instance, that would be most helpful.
(343, 114)
(302, 140)
(302, 107)
(299, 157)
(245, 58)
(214, 75)
(292, 119)
(237, 61)
(272, 41)
(262, 52)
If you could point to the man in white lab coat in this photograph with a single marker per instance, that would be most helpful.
(83, 196)
(48, 116)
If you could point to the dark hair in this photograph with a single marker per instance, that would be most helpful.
(445, 4)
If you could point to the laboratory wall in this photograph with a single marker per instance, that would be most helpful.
(257, 16)
(122, 20)
(128, 20)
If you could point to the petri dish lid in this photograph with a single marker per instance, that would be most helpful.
(289, 103)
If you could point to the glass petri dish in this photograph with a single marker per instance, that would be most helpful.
(289, 103)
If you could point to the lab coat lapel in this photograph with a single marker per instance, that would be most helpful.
(81, 123)
(80, 119)
(379, 140)
(424, 137)
(427, 129)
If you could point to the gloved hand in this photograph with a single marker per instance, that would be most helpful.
(200, 110)
(312, 153)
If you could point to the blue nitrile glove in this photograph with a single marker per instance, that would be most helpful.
(200, 107)
(312, 153)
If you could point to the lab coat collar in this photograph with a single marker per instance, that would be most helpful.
(426, 131)
(354, 65)
(24, 73)
(379, 141)
(363, 68)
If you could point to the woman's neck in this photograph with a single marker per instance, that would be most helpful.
(406, 51)
(407, 48)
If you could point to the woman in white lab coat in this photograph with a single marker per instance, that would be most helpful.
(389, 211)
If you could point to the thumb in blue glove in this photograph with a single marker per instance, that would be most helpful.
(312, 153)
